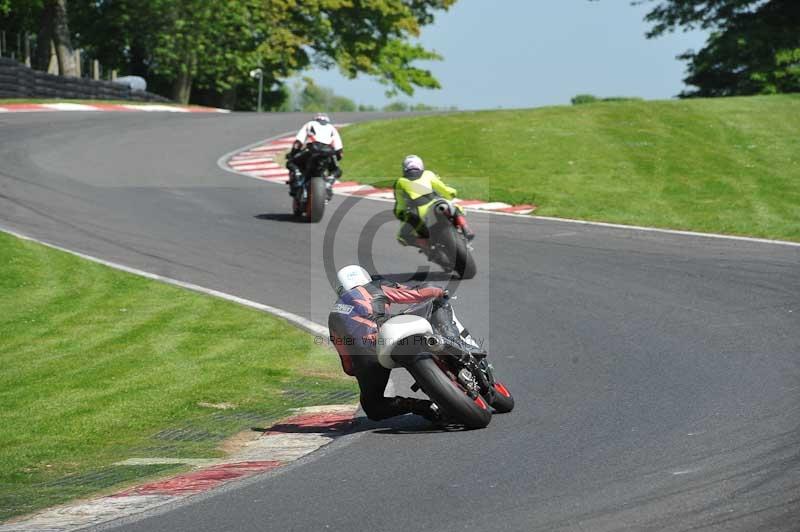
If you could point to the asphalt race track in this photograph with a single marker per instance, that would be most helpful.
(657, 376)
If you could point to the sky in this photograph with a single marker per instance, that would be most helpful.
(530, 53)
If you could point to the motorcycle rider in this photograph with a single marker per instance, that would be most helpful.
(414, 193)
(319, 129)
(354, 321)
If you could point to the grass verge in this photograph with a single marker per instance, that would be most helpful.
(728, 165)
(99, 366)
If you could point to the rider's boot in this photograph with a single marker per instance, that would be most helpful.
(294, 175)
(420, 407)
(408, 236)
(461, 223)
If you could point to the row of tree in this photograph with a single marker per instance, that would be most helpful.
(307, 96)
(203, 50)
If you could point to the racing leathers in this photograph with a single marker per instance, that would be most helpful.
(413, 198)
(354, 322)
(314, 132)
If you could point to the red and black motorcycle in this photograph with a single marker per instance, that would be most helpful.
(447, 364)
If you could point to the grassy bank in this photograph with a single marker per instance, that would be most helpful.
(728, 165)
(99, 366)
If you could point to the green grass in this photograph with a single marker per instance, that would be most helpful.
(729, 165)
(99, 366)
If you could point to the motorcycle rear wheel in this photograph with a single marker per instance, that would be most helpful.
(453, 401)
(315, 205)
(464, 263)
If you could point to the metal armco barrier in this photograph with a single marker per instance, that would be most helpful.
(19, 81)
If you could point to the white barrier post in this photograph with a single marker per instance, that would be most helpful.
(258, 73)
(27, 50)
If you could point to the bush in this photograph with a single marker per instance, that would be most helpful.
(584, 98)
(395, 107)
(591, 98)
(622, 99)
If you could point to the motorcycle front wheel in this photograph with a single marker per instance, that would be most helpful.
(502, 400)
(449, 396)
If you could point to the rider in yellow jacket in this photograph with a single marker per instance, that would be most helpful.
(414, 193)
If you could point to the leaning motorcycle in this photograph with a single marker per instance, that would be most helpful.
(448, 245)
(313, 188)
(445, 362)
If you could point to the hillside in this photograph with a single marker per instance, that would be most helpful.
(728, 165)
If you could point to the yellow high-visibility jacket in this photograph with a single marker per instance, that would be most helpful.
(413, 197)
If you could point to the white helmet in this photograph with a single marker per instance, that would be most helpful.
(351, 276)
(413, 166)
(322, 118)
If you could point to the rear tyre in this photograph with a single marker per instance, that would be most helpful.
(444, 246)
(502, 401)
(465, 263)
(455, 404)
(315, 207)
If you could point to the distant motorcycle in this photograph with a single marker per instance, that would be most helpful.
(445, 362)
(448, 246)
(314, 187)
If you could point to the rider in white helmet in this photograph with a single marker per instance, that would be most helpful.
(319, 129)
(361, 309)
(414, 193)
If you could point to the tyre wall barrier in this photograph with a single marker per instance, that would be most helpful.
(20, 81)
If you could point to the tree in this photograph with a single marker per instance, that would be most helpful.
(48, 20)
(54, 19)
(753, 48)
(213, 44)
(310, 97)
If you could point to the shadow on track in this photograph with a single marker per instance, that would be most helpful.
(406, 424)
(281, 217)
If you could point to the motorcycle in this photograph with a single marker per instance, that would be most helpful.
(447, 364)
(312, 189)
(447, 244)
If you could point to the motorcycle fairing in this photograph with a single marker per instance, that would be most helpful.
(395, 330)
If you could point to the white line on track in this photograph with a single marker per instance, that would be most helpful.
(666, 231)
